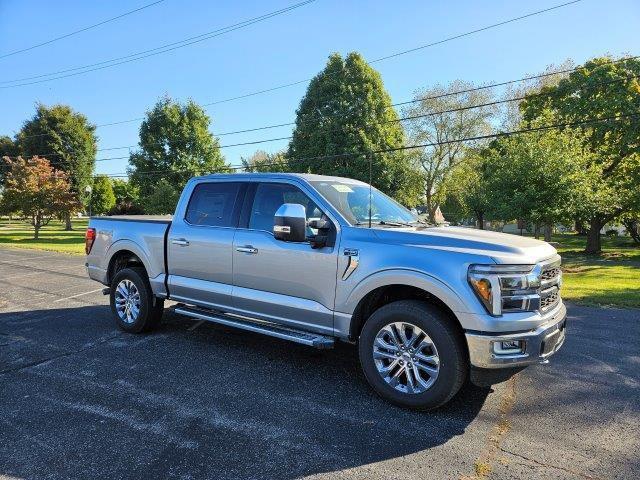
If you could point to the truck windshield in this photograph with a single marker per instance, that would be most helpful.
(352, 201)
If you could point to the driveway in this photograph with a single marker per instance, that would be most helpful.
(79, 398)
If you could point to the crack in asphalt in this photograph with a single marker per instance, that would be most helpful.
(547, 465)
(484, 463)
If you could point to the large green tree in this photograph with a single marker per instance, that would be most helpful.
(67, 139)
(543, 177)
(345, 115)
(465, 189)
(439, 117)
(175, 145)
(601, 89)
(102, 197)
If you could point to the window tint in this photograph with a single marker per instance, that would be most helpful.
(270, 196)
(212, 204)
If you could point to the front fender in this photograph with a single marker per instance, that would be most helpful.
(400, 276)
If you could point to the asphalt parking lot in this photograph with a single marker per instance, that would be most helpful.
(80, 399)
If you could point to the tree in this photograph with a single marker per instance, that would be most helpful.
(465, 189)
(34, 189)
(127, 197)
(175, 145)
(67, 140)
(124, 191)
(542, 177)
(262, 161)
(102, 196)
(432, 121)
(7, 149)
(163, 200)
(345, 116)
(601, 89)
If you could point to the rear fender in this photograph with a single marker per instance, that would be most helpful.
(154, 267)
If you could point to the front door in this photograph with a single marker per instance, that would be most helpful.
(283, 282)
(200, 243)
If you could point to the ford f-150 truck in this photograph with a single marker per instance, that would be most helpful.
(315, 259)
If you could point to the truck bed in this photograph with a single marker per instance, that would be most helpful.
(141, 235)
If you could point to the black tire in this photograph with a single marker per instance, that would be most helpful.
(151, 308)
(454, 365)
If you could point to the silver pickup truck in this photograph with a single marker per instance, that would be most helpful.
(315, 259)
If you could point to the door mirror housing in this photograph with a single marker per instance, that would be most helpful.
(290, 223)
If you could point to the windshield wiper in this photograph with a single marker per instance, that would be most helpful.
(395, 224)
(388, 223)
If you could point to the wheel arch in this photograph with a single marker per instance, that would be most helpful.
(121, 259)
(392, 285)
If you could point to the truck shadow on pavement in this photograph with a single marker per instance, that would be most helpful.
(79, 398)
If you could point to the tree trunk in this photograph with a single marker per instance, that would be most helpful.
(431, 209)
(594, 245)
(480, 217)
(579, 227)
(633, 229)
(36, 232)
(536, 231)
(548, 229)
(67, 222)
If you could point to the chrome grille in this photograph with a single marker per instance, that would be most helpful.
(550, 274)
(549, 298)
(550, 281)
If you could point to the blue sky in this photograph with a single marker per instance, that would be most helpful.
(284, 49)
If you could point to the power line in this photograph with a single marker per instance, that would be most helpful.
(401, 119)
(67, 35)
(411, 147)
(416, 100)
(146, 53)
(396, 149)
(404, 52)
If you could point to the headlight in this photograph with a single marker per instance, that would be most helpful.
(506, 288)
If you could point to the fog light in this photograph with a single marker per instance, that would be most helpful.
(509, 347)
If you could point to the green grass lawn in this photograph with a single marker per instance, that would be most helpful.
(610, 279)
(16, 233)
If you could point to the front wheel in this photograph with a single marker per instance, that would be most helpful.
(412, 355)
(132, 301)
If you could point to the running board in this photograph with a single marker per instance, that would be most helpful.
(258, 326)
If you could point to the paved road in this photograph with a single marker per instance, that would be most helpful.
(80, 399)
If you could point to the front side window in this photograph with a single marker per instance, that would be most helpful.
(271, 196)
(212, 204)
(352, 201)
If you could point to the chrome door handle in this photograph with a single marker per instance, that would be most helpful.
(247, 249)
(180, 241)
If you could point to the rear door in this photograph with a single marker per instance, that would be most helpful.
(284, 282)
(200, 242)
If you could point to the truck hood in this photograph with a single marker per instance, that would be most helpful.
(500, 247)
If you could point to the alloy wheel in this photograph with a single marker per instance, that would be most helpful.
(127, 299)
(406, 357)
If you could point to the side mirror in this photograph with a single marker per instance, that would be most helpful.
(290, 223)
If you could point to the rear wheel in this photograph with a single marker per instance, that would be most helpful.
(412, 355)
(132, 302)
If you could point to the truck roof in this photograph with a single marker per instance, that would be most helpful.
(309, 177)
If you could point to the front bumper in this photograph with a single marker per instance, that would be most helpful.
(539, 344)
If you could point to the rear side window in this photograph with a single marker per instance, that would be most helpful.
(212, 204)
